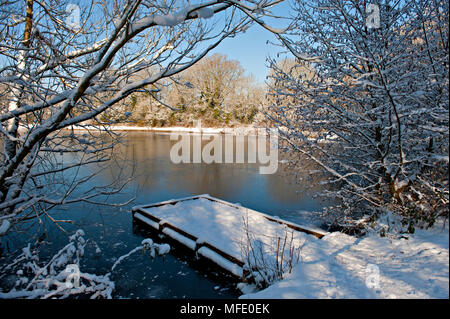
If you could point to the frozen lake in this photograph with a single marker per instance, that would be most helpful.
(146, 155)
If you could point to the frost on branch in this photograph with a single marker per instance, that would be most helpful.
(205, 13)
(171, 20)
(146, 245)
(4, 226)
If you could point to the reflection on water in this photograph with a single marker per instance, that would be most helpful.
(146, 156)
(157, 178)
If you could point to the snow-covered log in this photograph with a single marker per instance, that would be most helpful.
(61, 276)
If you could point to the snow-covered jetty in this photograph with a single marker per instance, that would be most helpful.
(216, 229)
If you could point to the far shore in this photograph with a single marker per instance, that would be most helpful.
(244, 129)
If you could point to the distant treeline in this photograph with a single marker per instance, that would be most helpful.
(216, 90)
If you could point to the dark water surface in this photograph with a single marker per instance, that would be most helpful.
(179, 274)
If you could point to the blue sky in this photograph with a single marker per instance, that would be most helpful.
(251, 49)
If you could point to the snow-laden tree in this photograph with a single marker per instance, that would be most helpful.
(372, 112)
(216, 90)
(65, 63)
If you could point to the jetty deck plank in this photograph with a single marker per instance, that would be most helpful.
(218, 230)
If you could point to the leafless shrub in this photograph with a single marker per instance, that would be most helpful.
(268, 259)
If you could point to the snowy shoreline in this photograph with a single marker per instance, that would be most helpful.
(373, 267)
(170, 129)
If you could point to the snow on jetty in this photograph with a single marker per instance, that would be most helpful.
(221, 231)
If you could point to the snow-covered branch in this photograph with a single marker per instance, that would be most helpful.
(61, 276)
(55, 74)
(371, 115)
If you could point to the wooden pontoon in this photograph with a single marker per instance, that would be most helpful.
(214, 228)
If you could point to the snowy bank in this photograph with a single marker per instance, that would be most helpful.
(176, 129)
(342, 266)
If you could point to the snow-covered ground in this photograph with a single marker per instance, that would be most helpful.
(336, 266)
(342, 266)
